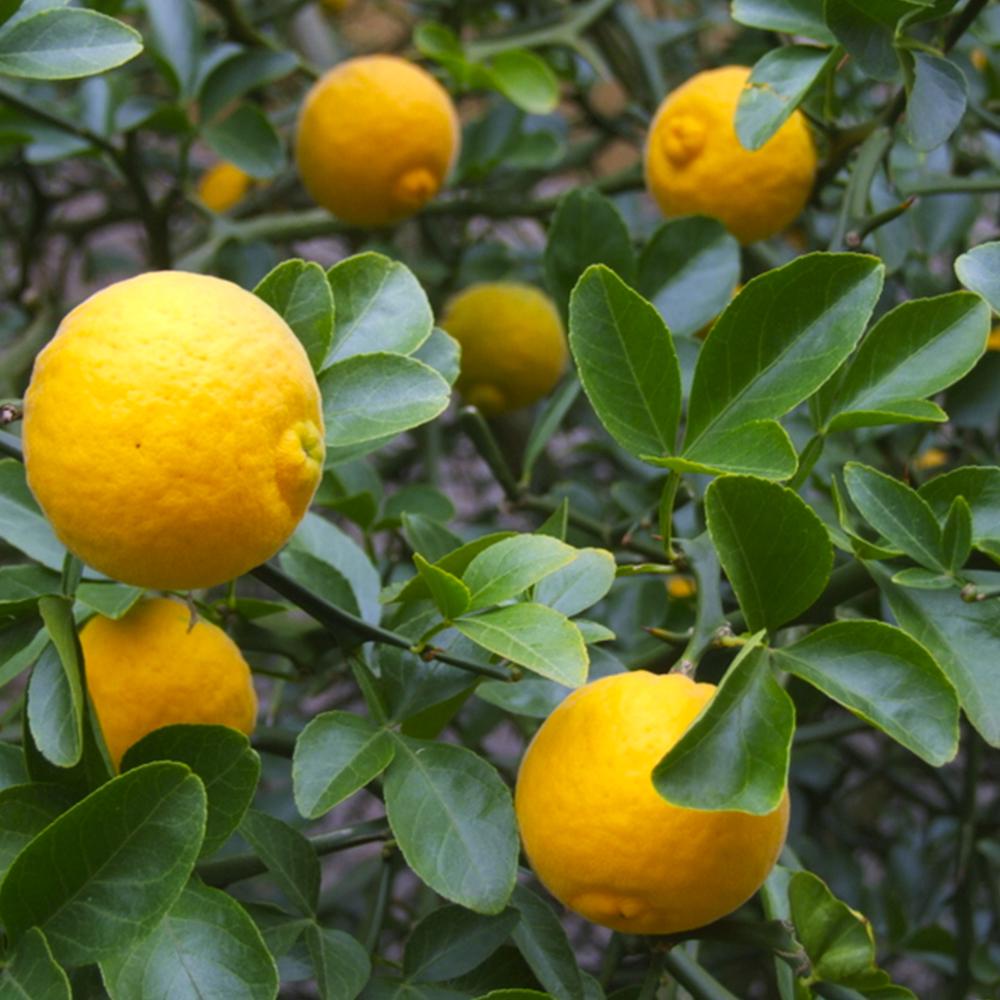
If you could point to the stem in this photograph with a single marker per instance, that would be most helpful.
(11, 446)
(694, 978)
(224, 871)
(381, 905)
(855, 208)
(480, 434)
(337, 621)
(807, 460)
(965, 887)
(653, 977)
(560, 33)
(956, 185)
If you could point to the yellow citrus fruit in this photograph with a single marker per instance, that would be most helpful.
(376, 139)
(601, 838)
(150, 668)
(993, 344)
(173, 433)
(223, 186)
(513, 344)
(681, 588)
(933, 458)
(695, 164)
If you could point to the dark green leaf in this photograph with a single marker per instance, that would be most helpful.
(22, 524)
(508, 568)
(774, 549)
(533, 636)
(914, 351)
(758, 448)
(450, 594)
(221, 757)
(586, 229)
(336, 754)
(104, 873)
(248, 139)
(897, 512)
(381, 307)
(113, 600)
(551, 416)
(980, 486)
(883, 676)
(454, 821)
(428, 538)
(206, 946)
(979, 271)
(579, 584)
(777, 86)
(237, 76)
(793, 17)
(956, 536)
(441, 351)
(526, 80)
(627, 363)
(175, 37)
(735, 754)
(25, 810)
(450, 941)
(63, 44)
(689, 270)
(340, 962)
(540, 938)
(289, 856)
(12, 769)
(32, 973)
(299, 292)
(55, 710)
(866, 29)
(416, 499)
(936, 101)
(21, 586)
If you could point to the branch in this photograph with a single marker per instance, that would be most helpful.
(561, 33)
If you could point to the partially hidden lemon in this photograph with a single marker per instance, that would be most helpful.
(150, 668)
(993, 344)
(223, 185)
(376, 139)
(173, 432)
(695, 164)
(513, 344)
(600, 837)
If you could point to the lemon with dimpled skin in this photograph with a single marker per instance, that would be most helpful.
(376, 139)
(696, 165)
(513, 344)
(600, 837)
(173, 432)
(150, 668)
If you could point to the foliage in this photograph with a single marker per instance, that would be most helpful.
(805, 428)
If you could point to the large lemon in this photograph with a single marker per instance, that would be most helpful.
(151, 669)
(600, 837)
(513, 345)
(695, 164)
(376, 139)
(173, 432)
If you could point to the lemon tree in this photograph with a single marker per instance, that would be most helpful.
(499, 500)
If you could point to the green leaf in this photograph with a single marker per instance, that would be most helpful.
(792, 17)
(416, 499)
(979, 271)
(778, 341)
(450, 594)
(175, 36)
(289, 856)
(12, 769)
(113, 600)
(104, 873)
(923, 579)
(550, 417)
(586, 229)
(427, 537)
(689, 270)
(237, 76)
(526, 80)
(759, 448)
(442, 352)
(897, 512)
(508, 568)
(55, 710)
(248, 139)
(66, 43)
(25, 810)
(340, 962)
(936, 101)
(774, 549)
(454, 821)
(22, 524)
(838, 940)
(956, 536)
(964, 639)
(22, 585)
(866, 29)
(381, 307)
(579, 584)
(777, 86)
(627, 363)
(335, 755)
(735, 754)
(369, 398)
(885, 677)
(980, 486)
(32, 973)
(298, 291)
(533, 636)
(326, 543)
(206, 946)
(540, 938)
(914, 351)
(221, 757)
(450, 941)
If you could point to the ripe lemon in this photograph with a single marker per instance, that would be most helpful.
(223, 186)
(376, 138)
(150, 669)
(513, 344)
(695, 164)
(993, 344)
(600, 837)
(173, 432)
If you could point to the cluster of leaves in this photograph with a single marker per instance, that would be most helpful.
(407, 648)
